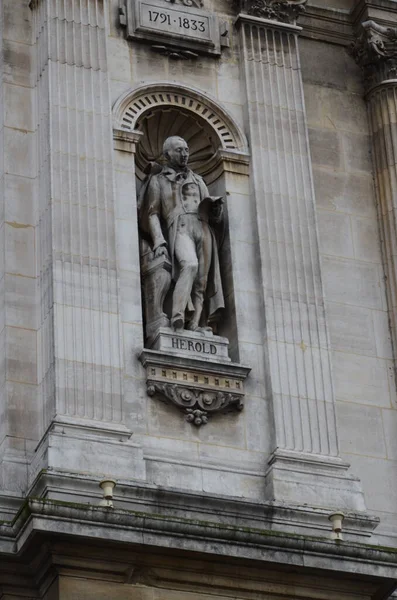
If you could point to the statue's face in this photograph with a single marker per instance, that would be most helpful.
(178, 154)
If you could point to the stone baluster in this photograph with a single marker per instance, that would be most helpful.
(299, 365)
(376, 52)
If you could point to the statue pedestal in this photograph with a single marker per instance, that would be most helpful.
(201, 345)
(195, 381)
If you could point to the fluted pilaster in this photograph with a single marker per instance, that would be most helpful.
(297, 336)
(300, 374)
(77, 234)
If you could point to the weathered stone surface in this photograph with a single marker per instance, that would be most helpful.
(335, 234)
(363, 379)
(361, 429)
(70, 240)
(362, 282)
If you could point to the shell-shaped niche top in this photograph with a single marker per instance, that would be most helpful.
(160, 123)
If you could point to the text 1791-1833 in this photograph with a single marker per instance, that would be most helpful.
(174, 21)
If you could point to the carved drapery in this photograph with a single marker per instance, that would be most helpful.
(376, 52)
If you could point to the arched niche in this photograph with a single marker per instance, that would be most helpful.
(129, 108)
(144, 117)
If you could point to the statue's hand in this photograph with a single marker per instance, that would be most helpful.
(161, 251)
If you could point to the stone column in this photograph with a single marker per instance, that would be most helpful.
(304, 467)
(376, 52)
(82, 348)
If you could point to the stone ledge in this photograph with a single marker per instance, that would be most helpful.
(224, 369)
(200, 506)
(266, 23)
(327, 25)
(135, 527)
(105, 546)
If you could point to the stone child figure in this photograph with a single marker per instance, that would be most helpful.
(176, 213)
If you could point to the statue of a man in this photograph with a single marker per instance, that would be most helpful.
(176, 213)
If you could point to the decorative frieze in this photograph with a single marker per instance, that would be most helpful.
(285, 11)
(196, 386)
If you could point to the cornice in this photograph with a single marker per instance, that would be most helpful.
(59, 517)
(340, 26)
(327, 24)
(152, 549)
(384, 12)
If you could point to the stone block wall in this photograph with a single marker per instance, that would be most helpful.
(229, 455)
(21, 417)
(353, 274)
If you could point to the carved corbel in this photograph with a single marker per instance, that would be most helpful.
(197, 404)
(375, 51)
(284, 11)
(198, 388)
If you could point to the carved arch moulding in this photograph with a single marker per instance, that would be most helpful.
(130, 107)
(130, 110)
(186, 367)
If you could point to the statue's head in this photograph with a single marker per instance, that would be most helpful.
(176, 151)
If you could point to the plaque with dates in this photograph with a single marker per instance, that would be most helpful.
(174, 24)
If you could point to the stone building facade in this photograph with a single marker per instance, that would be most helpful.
(233, 444)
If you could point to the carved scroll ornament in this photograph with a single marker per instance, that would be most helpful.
(198, 388)
(196, 404)
(285, 11)
(375, 51)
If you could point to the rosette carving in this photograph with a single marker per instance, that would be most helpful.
(285, 11)
(375, 51)
(197, 404)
